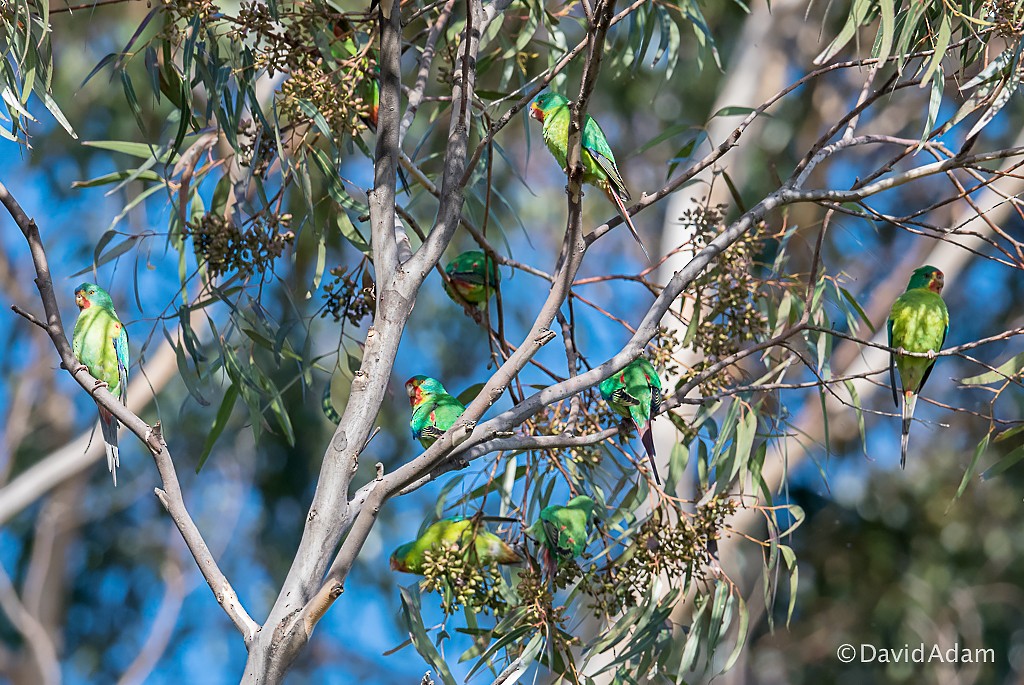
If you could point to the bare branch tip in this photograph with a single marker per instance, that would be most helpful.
(30, 317)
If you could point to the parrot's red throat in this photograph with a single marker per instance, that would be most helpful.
(536, 112)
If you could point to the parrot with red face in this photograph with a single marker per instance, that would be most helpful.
(599, 168)
(100, 343)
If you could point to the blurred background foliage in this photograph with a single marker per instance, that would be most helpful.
(882, 556)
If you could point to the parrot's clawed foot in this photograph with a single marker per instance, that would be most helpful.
(931, 354)
(98, 385)
(80, 367)
(900, 350)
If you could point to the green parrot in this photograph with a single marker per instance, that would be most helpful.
(599, 168)
(562, 531)
(918, 322)
(471, 279)
(480, 545)
(100, 343)
(434, 411)
(635, 392)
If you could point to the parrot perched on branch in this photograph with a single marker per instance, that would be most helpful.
(434, 411)
(918, 322)
(473, 276)
(563, 531)
(635, 392)
(100, 343)
(479, 545)
(599, 168)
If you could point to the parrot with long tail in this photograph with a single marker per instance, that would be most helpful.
(480, 546)
(100, 343)
(918, 322)
(635, 392)
(599, 168)
(434, 411)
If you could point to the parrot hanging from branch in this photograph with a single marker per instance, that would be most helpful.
(635, 392)
(918, 322)
(562, 532)
(480, 545)
(434, 411)
(100, 343)
(473, 276)
(599, 168)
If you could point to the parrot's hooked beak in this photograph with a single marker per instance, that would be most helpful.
(81, 300)
(937, 282)
(536, 112)
(412, 389)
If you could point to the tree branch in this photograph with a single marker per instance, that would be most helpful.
(170, 497)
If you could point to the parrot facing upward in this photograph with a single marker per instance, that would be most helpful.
(479, 545)
(635, 392)
(563, 531)
(918, 322)
(434, 411)
(100, 343)
(473, 276)
(599, 168)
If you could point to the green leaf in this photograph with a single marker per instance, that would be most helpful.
(734, 111)
(995, 68)
(848, 296)
(352, 234)
(741, 635)
(1005, 463)
(998, 102)
(969, 473)
(694, 638)
(470, 393)
(507, 639)
(115, 177)
(716, 626)
(1009, 433)
(941, 43)
(1007, 369)
(321, 261)
(789, 556)
(140, 150)
(220, 196)
(888, 29)
(223, 414)
(418, 633)
(858, 17)
(746, 429)
(677, 462)
(114, 252)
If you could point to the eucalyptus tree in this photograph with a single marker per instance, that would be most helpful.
(313, 163)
